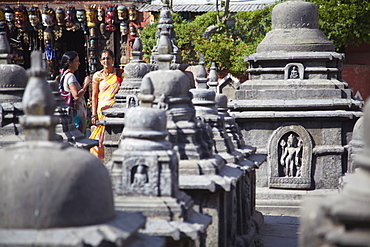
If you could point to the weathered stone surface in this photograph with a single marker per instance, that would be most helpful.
(356, 145)
(295, 80)
(12, 85)
(53, 194)
(295, 28)
(145, 179)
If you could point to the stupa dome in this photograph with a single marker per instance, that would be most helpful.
(13, 77)
(295, 29)
(145, 122)
(45, 184)
(48, 185)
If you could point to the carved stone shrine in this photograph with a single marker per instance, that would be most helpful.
(295, 107)
(243, 158)
(145, 179)
(214, 186)
(53, 194)
(12, 85)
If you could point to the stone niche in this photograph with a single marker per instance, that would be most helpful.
(290, 157)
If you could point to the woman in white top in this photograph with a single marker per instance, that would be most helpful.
(68, 82)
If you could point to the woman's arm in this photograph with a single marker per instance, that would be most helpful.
(77, 94)
(94, 102)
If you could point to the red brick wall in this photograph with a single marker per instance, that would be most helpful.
(356, 69)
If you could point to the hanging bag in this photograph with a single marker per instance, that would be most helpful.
(68, 98)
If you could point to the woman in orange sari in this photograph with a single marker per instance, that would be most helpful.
(105, 85)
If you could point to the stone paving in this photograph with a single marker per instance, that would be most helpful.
(279, 231)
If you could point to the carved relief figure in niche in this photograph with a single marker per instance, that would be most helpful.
(140, 177)
(291, 155)
(131, 101)
(294, 74)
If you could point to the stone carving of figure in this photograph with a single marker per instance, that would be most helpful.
(294, 73)
(121, 13)
(290, 158)
(131, 101)
(140, 177)
(132, 13)
(48, 16)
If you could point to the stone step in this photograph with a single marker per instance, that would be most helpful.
(267, 193)
(285, 202)
(279, 210)
(278, 202)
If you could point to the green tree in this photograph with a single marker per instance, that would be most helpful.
(344, 22)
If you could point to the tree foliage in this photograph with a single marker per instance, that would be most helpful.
(227, 46)
(344, 22)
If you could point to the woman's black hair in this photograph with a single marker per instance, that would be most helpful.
(67, 57)
(110, 52)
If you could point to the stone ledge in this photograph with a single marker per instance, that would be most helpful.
(297, 114)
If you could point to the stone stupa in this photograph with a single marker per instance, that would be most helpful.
(53, 194)
(12, 85)
(295, 107)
